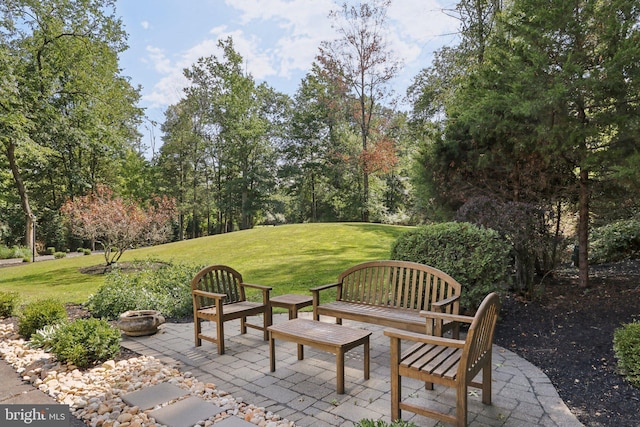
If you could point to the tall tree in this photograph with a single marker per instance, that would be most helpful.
(553, 109)
(79, 111)
(361, 61)
(239, 125)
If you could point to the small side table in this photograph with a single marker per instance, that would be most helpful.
(292, 302)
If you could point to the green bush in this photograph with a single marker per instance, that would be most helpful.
(85, 342)
(8, 303)
(86, 251)
(476, 257)
(615, 242)
(58, 255)
(626, 346)
(14, 252)
(50, 250)
(38, 314)
(163, 287)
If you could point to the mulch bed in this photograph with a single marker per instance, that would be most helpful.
(568, 333)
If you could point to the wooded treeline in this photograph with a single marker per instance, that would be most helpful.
(529, 123)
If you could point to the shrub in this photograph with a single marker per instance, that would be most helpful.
(44, 338)
(86, 251)
(615, 242)
(50, 250)
(8, 303)
(14, 252)
(476, 257)
(85, 342)
(38, 314)
(58, 255)
(626, 346)
(165, 288)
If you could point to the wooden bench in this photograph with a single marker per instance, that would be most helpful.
(392, 293)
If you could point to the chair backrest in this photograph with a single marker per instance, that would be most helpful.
(400, 284)
(219, 279)
(479, 338)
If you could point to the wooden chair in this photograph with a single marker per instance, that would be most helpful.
(219, 296)
(450, 362)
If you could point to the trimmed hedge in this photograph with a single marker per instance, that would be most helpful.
(476, 257)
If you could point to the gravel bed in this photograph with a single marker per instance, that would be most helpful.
(94, 395)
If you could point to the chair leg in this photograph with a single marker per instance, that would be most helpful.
(396, 380)
(461, 405)
(486, 384)
(197, 328)
(220, 336)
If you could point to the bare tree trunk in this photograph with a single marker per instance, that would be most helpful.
(24, 198)
(583, 230)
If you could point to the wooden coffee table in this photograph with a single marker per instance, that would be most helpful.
(336, 339)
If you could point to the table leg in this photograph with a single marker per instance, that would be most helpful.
(300, 352)
(340, 371)
(272, 352)
(366, 359)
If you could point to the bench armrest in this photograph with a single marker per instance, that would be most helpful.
(426, 339)
(438, 305)
(323, 287)
(435, 320)
(316, 296)
(446, 316)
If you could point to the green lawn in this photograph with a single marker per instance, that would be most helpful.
(290, 258)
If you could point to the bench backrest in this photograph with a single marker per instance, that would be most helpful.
(399, 284)
(219, 279)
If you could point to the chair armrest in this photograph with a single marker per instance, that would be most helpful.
(261, 287)
(265, 291)
(445, 316)
(426, 339)
(438, 305)
(206, 294)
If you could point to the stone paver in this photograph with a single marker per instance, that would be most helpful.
(185, 413)
(158, 394)
(304, 391)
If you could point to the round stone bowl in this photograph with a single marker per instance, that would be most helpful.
(136, 323)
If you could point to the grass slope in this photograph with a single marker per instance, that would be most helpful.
(291, 258)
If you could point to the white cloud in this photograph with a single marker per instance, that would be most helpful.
(280, 39)
(145, 25)
(304, 25)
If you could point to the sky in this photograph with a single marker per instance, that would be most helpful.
(278, 40)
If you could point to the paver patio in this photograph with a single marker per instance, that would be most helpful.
(305, 392)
